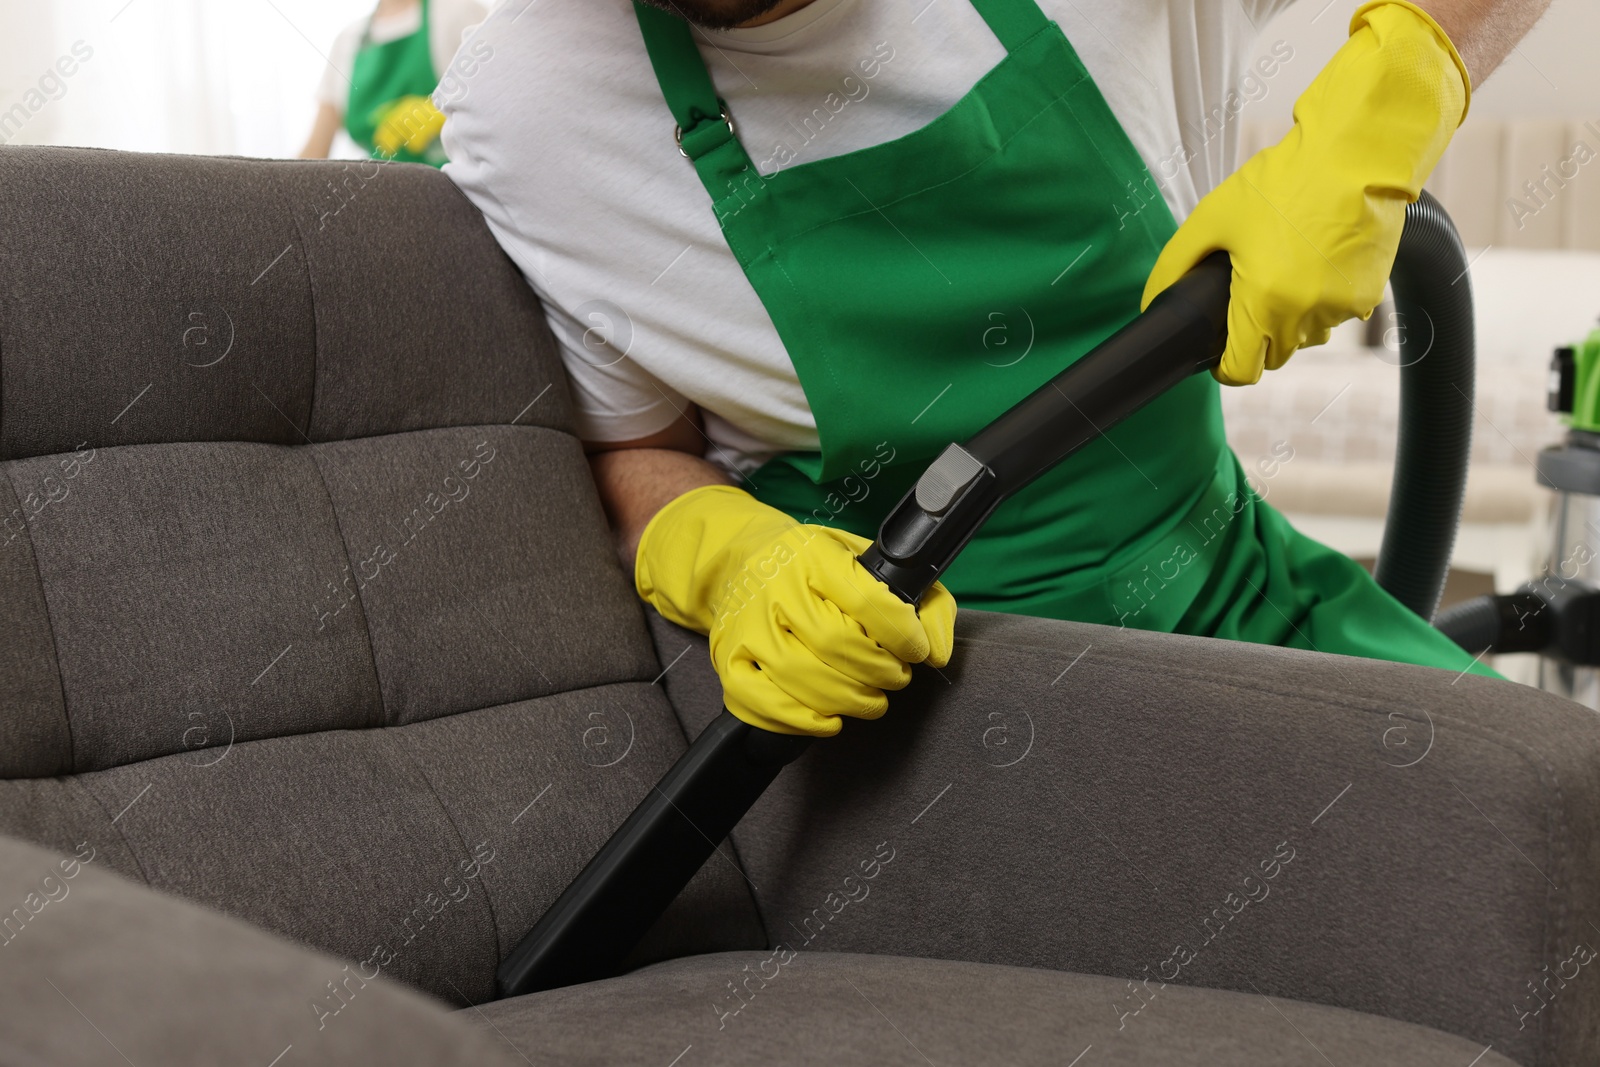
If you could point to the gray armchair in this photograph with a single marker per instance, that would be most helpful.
(311, 633)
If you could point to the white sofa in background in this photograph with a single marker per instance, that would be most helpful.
(1337, 408)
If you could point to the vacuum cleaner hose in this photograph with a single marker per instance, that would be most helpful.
(1433, 328)
(1507, 622)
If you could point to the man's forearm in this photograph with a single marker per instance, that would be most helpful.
(1484, 31)
(635, 483)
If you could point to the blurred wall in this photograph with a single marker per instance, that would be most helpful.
(27, 34)
(1553, 73)
(219, 76)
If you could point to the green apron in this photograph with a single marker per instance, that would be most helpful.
(924, 285)
(382, 76)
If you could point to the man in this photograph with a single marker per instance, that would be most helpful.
(794, 250)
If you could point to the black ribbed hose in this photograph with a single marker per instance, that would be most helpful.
(1507, 622)
(1433, 320)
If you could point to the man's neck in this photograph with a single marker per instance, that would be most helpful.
(787, 7)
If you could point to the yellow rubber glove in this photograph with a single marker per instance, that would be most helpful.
(411, 121)
(800, 632)
(1313, 223)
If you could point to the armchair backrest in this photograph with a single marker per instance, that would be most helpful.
(309, 608)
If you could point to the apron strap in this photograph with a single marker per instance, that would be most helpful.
(705, 130)
(682, 73)
(1013, 21)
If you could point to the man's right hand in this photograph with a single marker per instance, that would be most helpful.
(801, 633)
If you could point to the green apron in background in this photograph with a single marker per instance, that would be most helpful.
(923, 286)
(384, 74)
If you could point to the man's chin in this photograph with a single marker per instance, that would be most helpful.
(716, 14)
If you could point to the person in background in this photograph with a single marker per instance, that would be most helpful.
(381, 72)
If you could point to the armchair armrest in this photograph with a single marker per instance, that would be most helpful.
(1392, 839)
(89, 960)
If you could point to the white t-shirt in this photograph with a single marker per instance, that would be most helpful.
(563, 140)
(448, 22)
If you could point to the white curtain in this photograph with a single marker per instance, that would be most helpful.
(216, 76)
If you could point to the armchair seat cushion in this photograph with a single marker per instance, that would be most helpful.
(843, 1008)
(1388, 839)
(97, 969)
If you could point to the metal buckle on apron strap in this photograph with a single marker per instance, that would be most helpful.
(677, 131)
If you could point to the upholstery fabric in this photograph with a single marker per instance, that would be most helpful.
(282, 588)
(839, 1008)
(324, 628)
(1087, 799)
(359, 840)
(500, 582)
(156, 298)
(95, 969)
(174, 575)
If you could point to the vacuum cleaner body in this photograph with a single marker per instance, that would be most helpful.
(1569, 591)
(1557, 615)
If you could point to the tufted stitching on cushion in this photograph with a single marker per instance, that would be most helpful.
(55, 652)
(311, 297)
(112, 822)
(466, 850)
(372, 655)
